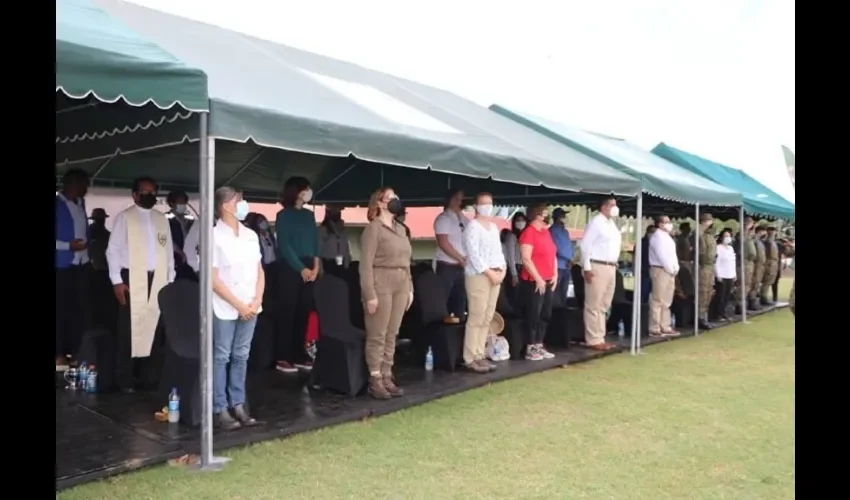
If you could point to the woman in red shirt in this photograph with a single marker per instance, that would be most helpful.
(538, 279)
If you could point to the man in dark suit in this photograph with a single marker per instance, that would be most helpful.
(180, 222)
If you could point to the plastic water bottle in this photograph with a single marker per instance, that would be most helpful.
(82, 375)
(429, 361)
(173, 406)
(497, 352)
(621, 329)
(91, 380)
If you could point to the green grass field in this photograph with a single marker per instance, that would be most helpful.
(699, 418)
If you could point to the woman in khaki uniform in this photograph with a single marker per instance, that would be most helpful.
(387, 288)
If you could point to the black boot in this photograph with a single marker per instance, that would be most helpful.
(765, 302)
(225, 421)
(242, 416)
(704, 324)
(753, 305)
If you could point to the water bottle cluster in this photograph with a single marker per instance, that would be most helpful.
(83, 378)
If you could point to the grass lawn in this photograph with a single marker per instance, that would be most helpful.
(708, 417)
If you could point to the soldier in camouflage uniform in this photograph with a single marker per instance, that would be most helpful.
(771, 265)
(749, 265)
(707, 256)
(685, 253)
(754, 288)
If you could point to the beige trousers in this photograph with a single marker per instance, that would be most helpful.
(481, 298)
(393, 289)
(663, 287)
(597, 300)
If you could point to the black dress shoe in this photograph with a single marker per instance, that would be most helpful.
(242, 416)
(225, 421)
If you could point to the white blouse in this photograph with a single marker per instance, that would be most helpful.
(724, 266)
(483, 248)
(511, 250)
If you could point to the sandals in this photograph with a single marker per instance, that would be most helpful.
(604, 346)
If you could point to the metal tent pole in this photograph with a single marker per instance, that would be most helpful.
(637, 301)
(742, 279)
(207, 185)
(696, 270)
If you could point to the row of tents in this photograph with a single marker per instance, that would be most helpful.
(132, 84)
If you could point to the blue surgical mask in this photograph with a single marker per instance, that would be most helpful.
(263, 226)
(241, 210)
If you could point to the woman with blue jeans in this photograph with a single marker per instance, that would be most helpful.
(238, 283)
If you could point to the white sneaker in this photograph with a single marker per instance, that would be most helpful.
(544, 353)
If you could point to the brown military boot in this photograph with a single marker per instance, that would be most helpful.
(394, 390)
(377, 389)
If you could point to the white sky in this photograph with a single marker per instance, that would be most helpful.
(713, 78)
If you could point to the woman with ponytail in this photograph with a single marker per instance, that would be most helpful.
(238, 284)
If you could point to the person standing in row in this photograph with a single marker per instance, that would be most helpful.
(758, 271)
(724, 275)
(180, 222)
(449, 227)
(538, 280)
(645, 284)
(771, 265)
(71, 265)
(238, 283)
(600, 251)
(485, 270)
(298, 253)
(663, 268)
(685, 254)
(511, 247)
(707, 256)
(564, 247)
(141, 263)
(102, 301)
(334, 249)
(387, 288)
(747, 267)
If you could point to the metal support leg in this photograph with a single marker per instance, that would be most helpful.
(207, 182)
(696, 270)
(638, 286)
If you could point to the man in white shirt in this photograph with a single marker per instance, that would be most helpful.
(451, 258)
(141, 262)
(663, 268)
(71, 264)
(600, 251)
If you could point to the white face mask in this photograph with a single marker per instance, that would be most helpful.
(668, 226)
(485, 210)
(615, 211)
(727, 240)
(181, 209)
(307, 195)
(520, 225)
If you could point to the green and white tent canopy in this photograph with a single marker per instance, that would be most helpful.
(276, 105)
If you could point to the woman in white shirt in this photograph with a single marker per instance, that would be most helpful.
(725, 274)
(238, 283)
(483, 276)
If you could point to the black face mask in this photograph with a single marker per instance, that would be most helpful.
(394, 206)
(147, 200)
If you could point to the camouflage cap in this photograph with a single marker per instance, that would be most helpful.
(705, 217)
(761, 227)
(771, 228)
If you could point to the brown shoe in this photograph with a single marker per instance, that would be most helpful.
(486, 364)
(377, 389)
(477, 367)
(394, 390)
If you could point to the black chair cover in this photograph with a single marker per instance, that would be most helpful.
(180, 308)
(340, 357)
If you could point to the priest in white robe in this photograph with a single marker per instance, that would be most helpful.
(141, 262)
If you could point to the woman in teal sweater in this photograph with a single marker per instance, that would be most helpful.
(298, 257)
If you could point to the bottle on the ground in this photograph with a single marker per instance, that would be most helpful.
(429, 360)
(91, 380)
(173, 406)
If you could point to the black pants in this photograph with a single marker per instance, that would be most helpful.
(146, 370)
(102, 304)
(537, 309)
(294, 303)
(71, 308)
(329, 266)
(722, 295)
(452, 274)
